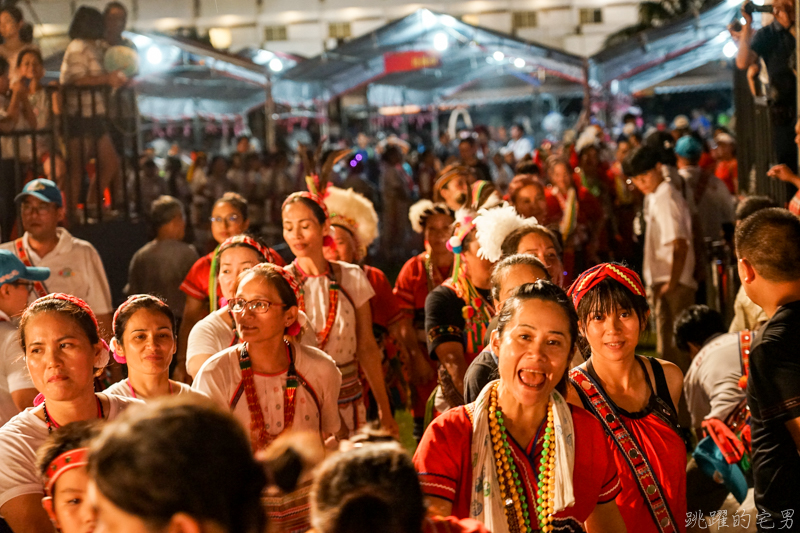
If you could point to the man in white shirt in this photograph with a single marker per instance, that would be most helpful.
(668, 255)
(16, 388)
(75, 266)
(519, 144)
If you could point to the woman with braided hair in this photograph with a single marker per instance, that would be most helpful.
(145, 339)
(335, 296)
(271, 383)
(635, 398)
(63, 352)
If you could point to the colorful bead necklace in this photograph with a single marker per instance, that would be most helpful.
(512, 491)
(259, 437)
(333, 298)
(52, 424)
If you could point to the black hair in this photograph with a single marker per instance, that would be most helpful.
(143, 301)
(527, 166)
(86, 24)
(501, 268)
(66, 438)
(164, 209)
(26, 30)
(269, 272)
(663, 143)
(751, 204)
(469, 140)
(4, 66)
(261, 257)
(157, 460)
(55, 305)
(235, 200)
(640, 160)
(548, 292)
(510, 244)
(770, 240)
(608, 296)
(697, 324)
(315, 208)
(27, 51)
(115, 5)
(214, 160)
(369, 488)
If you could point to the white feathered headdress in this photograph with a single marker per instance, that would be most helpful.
(354, 212)
(419, 212)
(494, 225)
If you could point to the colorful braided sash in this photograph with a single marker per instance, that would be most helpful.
(649, 486)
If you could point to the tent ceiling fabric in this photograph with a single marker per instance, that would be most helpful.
(468, 55)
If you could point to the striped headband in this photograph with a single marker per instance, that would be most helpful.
(71, 299)
(130, 300)
(590, 278)
(66, 461)
(448, 173)
(308, 196)
(247, 240)
(289, 277)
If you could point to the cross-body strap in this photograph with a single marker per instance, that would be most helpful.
(40, 287)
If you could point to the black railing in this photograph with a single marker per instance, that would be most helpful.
(90, 147)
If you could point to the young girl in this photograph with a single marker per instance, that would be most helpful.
(36, 111)
(271, 383)
(633, 397)
(335, 296)
(62, 463)
(64, 353)
(17, 36)
(144, 338)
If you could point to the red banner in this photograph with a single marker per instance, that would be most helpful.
(410, 60)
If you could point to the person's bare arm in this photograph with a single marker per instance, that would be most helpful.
(674, 378)
(193, 365)
(451, 355)
(23, 398)
(194, 311)
(25, 514)
(746, 57)
(369, 357)
(439, 506)
(605, 518)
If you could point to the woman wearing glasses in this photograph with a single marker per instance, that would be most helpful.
(203, 294)
(270, 382)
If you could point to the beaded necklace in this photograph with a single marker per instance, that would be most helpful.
(52, 424)
(434, 275)
(259, 437)
(512, 490)
(333, 298)
(133, 392)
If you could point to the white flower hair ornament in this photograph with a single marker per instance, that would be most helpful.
(355, 213)
(494, 225)
(419, 213)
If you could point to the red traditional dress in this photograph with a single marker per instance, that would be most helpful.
(416, 280)
(575, 218)
(654, 498)
(444, 460)
(198, 280)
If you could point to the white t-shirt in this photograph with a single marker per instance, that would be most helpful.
(668, 219)
(75, 268)
(712, 381)
(715, 208)
(342, 341)
(20, 439)
(13, 372)
(521, 147)
(220, 377)
(212, 334)
(121, 388)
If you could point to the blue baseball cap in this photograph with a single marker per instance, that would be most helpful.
(44, 190)
(12, 269)
(688, 147)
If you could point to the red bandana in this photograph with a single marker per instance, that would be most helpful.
(596, 274)
(309, 196)
(71, 299)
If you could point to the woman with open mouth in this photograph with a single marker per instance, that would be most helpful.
(633, 397)
(520, 459)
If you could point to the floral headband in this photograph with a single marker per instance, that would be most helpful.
(590, 278)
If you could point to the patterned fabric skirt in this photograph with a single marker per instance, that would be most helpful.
(351, 397)
(289, 513)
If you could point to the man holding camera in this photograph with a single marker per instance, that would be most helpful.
(775, 44)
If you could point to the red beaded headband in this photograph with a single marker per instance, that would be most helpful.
(64, 462)
(71, 299)
(308, 196)
(130, 300)
(249, 241)
(290, 279)
(590, 278)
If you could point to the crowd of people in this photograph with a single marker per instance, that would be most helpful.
(252, 378)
